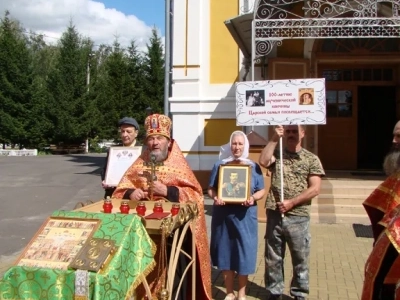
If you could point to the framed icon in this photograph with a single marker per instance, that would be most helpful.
(57, 242)
(234, 183)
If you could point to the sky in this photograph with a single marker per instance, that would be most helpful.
(101, 20)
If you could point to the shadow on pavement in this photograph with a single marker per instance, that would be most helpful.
(364, 231)
(89, 161)
(253, 290)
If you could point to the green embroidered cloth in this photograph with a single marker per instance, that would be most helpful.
(118, 280)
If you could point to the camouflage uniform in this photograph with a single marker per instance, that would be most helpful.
(293, 229)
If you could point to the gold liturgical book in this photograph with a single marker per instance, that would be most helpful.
(94, 255)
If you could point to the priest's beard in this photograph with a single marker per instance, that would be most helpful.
(391, 164)
(160, 155)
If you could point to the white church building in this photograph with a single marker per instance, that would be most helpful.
(354, 47)
(206, 64)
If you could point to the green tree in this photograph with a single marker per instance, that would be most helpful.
(44, 93)
(117, 93)
(68, 88)
(153, 73)
(39, 124)
(44, 56)
(138, 82)
(15, 79)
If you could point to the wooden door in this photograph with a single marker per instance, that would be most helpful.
(288, 68)
(376, 119)
(292, 68)
(337, 140)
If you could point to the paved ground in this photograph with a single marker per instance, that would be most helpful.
(33, 187)
(337, 263)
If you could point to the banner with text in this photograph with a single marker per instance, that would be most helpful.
(281, 102)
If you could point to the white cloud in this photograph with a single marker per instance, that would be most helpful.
(91, 19)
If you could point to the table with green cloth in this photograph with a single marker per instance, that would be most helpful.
(133, 260)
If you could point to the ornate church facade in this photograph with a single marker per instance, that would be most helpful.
(354, 45)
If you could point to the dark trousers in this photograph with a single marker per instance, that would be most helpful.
(293, 231)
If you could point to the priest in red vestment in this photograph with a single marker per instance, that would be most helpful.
(174, 182)
(382, 269)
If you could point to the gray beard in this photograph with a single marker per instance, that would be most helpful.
(160, 156)
(391, 164)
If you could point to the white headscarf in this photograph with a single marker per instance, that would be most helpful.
(225, 153)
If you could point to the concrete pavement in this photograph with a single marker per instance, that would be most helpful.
(336, 265)
(59, 182)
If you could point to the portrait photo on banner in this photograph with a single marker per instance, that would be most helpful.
(306, 96)
(234, 183)
(255, 98)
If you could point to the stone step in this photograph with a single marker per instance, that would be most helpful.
(340, 200)
(355, 180)
(350, 181)
(340, 209)
(328, 218)
(346, 199)
(347, 190)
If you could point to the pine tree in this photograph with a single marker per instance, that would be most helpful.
(44, 96)
(99, 92)
(14, 82)
(68, 89)
(118, 96)
(137, 78)
(153, 67)
(39, 125)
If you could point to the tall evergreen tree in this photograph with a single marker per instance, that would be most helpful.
(88, 109)
(136, 74)
(116, 97)
(14, 82)
(45, 96)
(68, 88)
(39, 125)
(153, 67)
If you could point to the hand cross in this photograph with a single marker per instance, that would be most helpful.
(153, 164)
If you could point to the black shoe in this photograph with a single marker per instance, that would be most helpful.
(299, 298)
(274, 297)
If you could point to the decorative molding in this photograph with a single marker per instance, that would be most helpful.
(325, 9)
(186, 67)
(275, 21)
(327, 28)
(186, 35)
(247, 7)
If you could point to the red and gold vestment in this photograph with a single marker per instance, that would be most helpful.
(175, 171)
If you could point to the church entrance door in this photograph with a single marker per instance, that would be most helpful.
(376, 119)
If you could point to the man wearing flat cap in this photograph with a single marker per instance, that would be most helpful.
(175, 183)
(128, 129)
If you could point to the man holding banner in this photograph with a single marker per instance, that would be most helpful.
(288, 218)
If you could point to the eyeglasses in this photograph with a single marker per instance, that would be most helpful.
(294, 131)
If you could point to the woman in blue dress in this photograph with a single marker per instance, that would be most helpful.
(234, 227)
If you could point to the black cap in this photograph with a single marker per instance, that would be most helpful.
(129, 121)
